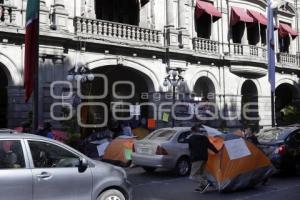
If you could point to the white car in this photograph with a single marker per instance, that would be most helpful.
(164, 148)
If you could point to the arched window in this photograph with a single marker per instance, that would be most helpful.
(205, 15)
(253, 33)
(204, 26)
(285, 33)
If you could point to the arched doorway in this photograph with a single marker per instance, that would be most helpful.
(3, 97)
(285, 95)
(142, 86)
(122, 11)
(249, 104)
(204, 89)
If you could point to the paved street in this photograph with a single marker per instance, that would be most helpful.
(165, 186)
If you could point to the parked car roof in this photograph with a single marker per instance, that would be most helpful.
(6, 130)
(276, 134)
(15, 135)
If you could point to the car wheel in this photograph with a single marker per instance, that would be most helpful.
(149, 169)
(111, 195)
(183, 167)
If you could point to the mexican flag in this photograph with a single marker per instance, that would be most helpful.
(31, 46)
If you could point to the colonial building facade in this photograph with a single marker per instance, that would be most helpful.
(219, 46)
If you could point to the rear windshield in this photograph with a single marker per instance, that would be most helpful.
(164, 135)
(270, 135)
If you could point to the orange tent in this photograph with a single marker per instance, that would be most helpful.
(119, 151)
(140, 132)
(238, 165)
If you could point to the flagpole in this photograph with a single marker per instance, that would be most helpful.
(273, 108)
(271, 60)
(35, 102)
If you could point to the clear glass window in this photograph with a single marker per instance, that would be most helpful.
(47, 155)
(11, 154)
(163, 135)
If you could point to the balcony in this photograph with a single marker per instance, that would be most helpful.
(241, 52)
(247, 55)
(112, 31)
(7, 15)
(288, 60)
(205, 46)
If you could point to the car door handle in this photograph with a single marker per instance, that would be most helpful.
(44, 175)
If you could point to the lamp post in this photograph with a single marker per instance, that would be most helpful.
(174, 79)
(80, 73)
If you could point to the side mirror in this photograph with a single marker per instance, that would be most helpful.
(83, 165)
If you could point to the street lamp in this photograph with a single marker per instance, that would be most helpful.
(80, 73)
(174, 79)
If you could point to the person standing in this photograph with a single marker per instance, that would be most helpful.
(126, 129)
(199, 145)
(251, 136)
(47, 130)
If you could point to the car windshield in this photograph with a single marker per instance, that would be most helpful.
(270, 135)
(162, 134)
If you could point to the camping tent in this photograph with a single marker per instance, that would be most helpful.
(119, 151)
(238, 165)
(140, 132)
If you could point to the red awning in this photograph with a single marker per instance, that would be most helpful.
(285, 30)
(143, 2)
(258, 17)
(206, 7)
(239, 15)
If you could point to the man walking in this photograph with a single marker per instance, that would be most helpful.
(199, 145)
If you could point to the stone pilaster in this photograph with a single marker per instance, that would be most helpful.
(298, 24)
(265, 114)
(171, 32)
(171, 36)
(60, 15)
(44, 15)
(183, 34)
(181, 14)
(92, 9)
(170, 13)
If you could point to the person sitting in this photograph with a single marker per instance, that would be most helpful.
(8, 158)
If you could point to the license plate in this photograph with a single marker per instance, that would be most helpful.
(144, 151)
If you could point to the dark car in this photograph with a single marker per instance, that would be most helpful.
(282, 146)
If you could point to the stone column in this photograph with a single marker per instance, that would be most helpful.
(44, 15)
(60, 15)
